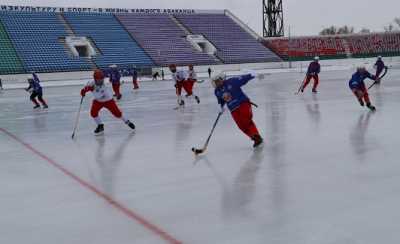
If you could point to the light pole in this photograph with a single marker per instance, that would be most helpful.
(289, 59)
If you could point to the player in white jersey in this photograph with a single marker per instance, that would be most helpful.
(103, 98)
(182, 80)
(192, 78)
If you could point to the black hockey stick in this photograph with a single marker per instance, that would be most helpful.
(255, 105)
(376, 82)
(202, 150)
(77, 118)
(301, 86)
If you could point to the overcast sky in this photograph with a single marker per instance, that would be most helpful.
(306, 17)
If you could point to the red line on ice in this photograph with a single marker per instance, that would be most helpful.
(129, 213)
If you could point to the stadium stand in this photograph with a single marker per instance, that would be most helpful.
(234, 44)
(114, 43)
(162, 39)
(35, 38)
(9, 61)
(339, 46)
(35, 41)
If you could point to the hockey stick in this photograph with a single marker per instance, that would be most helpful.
(77, 118)
(301, 86)
(255, 105)
(384, 73)
(202, 150)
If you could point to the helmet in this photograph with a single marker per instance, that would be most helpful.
(172, 67)
(218, 76)
(379, 57)
(190, 66)
(113, 66)
(29, 77)
(98, 75)
(316, 58)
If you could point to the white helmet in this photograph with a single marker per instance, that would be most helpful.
(218, 76)
(379, 57)
(29, 77)
(113, 66)
(316, 58)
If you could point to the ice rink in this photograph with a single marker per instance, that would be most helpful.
(328, 172)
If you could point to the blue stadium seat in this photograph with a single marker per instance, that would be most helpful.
(114, 43)
(36, 40)
(234, 44)
(163, 39)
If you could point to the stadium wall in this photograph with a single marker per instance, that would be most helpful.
(80, 78)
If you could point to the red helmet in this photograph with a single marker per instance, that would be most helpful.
(98, 74)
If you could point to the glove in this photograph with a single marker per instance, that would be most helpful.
(83, 92)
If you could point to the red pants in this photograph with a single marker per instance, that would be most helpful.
(187, 85)
(116, 87)
(135, 84)
(243, 117)
(362, 93)
(308, 79)
(110, 105)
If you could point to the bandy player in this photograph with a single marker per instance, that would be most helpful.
(103, 98)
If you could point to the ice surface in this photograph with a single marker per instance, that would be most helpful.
(328, 172)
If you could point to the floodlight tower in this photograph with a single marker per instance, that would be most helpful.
(273, 18)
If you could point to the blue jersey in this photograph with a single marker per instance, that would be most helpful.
(357, 80)
(35, 77)
(134, 74)
(231, 94)
(114, 75)
(313, 68)
(35, 86)
(380, 65)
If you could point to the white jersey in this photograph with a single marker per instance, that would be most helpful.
(192, 75)
(101, 93)
(180, 75)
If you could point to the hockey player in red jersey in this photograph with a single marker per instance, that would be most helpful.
(229, 92)
(102, 99)
(182, 80)
(312, 73)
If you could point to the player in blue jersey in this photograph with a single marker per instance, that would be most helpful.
(229, 93)
(312, 73)
(358, 87)
(36, 91)
(379, 66)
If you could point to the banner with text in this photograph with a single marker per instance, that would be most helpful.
(95, 10)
